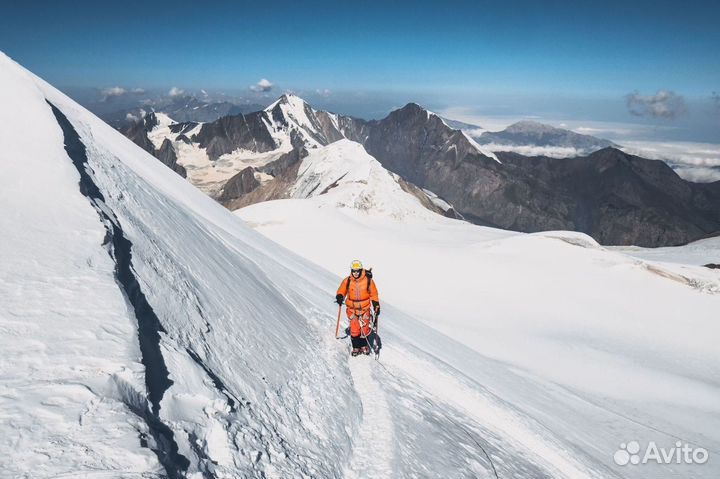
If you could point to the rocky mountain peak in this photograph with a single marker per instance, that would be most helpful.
(289, 100)
(529, 126)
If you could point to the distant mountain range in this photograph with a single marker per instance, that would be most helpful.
(615, 197)
(179, 108)
(539, 137)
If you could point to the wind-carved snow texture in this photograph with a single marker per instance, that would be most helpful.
(157, 378)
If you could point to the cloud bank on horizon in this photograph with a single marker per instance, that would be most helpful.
(664, 104)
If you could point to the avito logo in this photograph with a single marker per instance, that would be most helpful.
(682, 453)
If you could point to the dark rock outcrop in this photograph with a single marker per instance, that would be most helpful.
(284, 171)
(182, 127)
(410, 141)
(239, 185)
(138, 132)
(166, 154)
(232, 132)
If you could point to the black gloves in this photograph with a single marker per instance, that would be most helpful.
(368, 273)
(339, 299)
(376, 307)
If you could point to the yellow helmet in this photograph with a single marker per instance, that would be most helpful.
(356, 264)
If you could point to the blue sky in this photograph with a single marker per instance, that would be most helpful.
(574, 59)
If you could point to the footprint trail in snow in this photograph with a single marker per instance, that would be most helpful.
(373, 446)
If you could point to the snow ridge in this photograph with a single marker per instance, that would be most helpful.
(157, 378)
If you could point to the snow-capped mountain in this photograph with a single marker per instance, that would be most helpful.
(614, 197)
(532, 138)
(243, 159)
(343, 174)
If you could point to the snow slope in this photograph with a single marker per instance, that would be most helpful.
(149, 333)
(701, 252)
(564, 347)
(76, 397)
(343, 175)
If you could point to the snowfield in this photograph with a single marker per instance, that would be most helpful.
(149, 332)
(597, 347)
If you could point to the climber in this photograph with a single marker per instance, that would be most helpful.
(360, 295)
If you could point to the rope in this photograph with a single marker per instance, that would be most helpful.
(461, 426)
(372, 329)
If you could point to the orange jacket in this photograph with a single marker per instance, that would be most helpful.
(358, 295)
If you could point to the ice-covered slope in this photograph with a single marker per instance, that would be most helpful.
(587, 348)
(149, 333)
(344, 175)
(237, 381)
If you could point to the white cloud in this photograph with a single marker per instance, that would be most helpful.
(136, 118)
(529, 150)
(664, 104)
(116, 91)
(324, 92)
(263, 85)
(475, 132)
(699, 162)
(175, 91)
(112, 92)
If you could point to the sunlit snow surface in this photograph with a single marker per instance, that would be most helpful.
(531, 355)
(568, 349)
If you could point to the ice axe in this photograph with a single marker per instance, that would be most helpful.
(337, 328)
